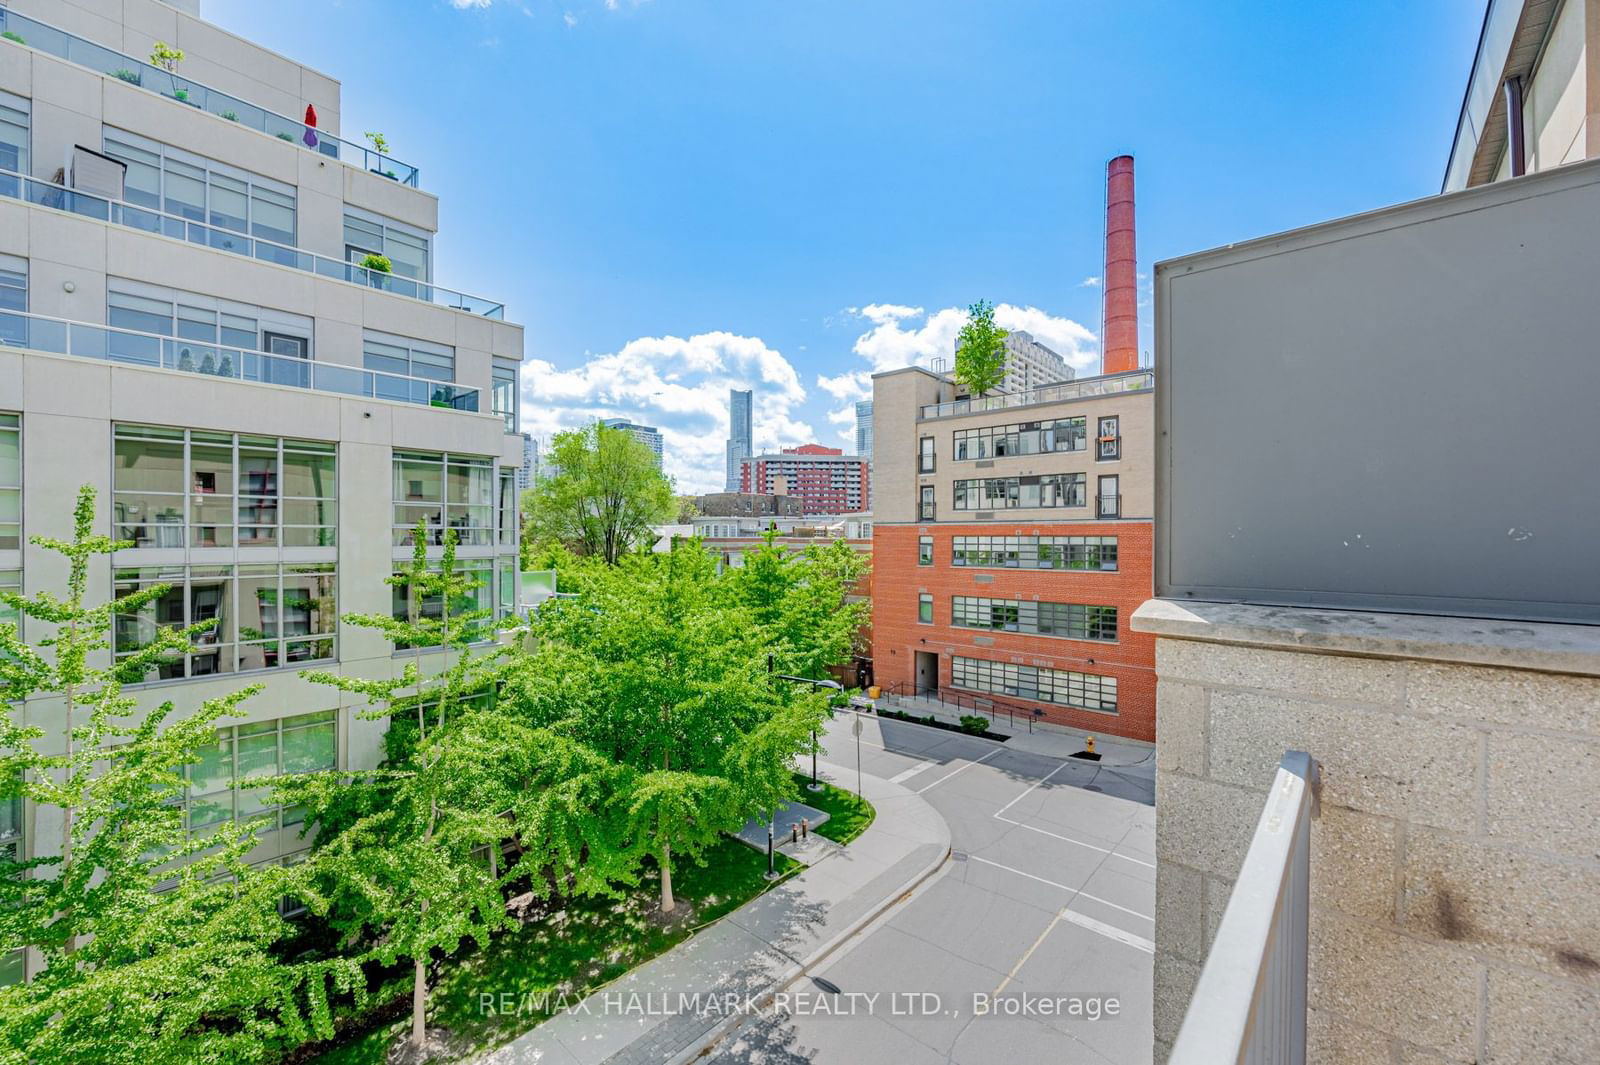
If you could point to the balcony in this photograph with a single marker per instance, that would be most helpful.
(120, 212)
(153, 351)
(74, 49)
(1108, 506)
(1138, 381)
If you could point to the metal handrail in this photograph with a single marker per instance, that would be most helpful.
(1136, 381)
(121, 212)
(962, 699)
(62, 336)
(1249, 1006)
(63, 44)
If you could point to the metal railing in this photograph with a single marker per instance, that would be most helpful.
(1137, 381)
(1108, 506)
(74, 49)
(152, 350)
(1249, 1007)
(983, 704)
(122, 213)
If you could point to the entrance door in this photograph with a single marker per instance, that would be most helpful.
(927, 676)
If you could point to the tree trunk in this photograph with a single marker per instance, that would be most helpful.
(668, 903)
(419, 1002)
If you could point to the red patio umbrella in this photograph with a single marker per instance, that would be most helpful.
(311, 126)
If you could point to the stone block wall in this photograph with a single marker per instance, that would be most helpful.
(1456, 863)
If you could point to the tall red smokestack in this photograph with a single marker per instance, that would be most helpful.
(1119, 344)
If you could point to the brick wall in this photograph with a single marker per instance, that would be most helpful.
(898, 581)
(1455, 867)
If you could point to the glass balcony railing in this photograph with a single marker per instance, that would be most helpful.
(75, 49)
(122, 213)
(152, 350)
(1137, 381)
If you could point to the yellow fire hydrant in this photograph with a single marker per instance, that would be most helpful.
(1088, 744)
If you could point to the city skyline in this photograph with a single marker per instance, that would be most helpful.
(753, 258)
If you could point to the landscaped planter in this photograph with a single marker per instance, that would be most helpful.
(933, 722)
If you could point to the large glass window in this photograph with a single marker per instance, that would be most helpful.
(1025, 438)
(10, 581)
(1086, 691)
(10, 482)
(505, 394)
(14, 126)
(1075, 621)
(203, 190)
(265, 616)
(485, 596)
(404, 246)
(444, 491)
(221, 332)
(238, 490)
(407, 358)
(307, 743)
(509, 513)
(1022, 493)
(1035, 552)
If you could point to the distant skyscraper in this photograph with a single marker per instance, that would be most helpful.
(741, 435)
(864, 428)
(648, 435)
(529, 473)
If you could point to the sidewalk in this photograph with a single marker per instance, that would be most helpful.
(1047, 739)
(755, 950)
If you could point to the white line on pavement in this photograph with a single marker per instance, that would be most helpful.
(1030, 788)
(1110, 931)
(963, 769)
(1078, 842)
(906, 774)
(1029, 952)
(1076, 892)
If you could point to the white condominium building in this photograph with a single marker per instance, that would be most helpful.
(222, 314)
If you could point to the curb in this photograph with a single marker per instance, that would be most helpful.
(900, 894)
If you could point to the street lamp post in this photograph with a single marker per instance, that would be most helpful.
(830, 685)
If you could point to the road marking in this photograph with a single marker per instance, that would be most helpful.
(1110, 931)
(958, 772)
(906, 774)
(1077, 893)
(1078, 842)
(1035, 784)
(1029, 952)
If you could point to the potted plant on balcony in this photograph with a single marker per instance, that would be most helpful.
(132, 77)
(378, 268)
(380, 144)
(8, 35)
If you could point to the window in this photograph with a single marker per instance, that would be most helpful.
(203, 190)
(14, 126)
(1035, 552)
(406, 599)
(12, 963)
(925, 455)
(210, 335)
(1025, 438)
(406, 357)
(1109, 439)
(925, 609)
(1074, 621)
(307, 743)
(13, 298)
(924, 550)
(10, 581)
(509, 513)
(404, 246)
(444, 491)
(10, 482)
(266, 616)
(1109, 501)
(1036, 492)
(505, 394)
(925, 506)
(173, 488)
(1086, 691)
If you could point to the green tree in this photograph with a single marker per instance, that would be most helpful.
(980, 350)
(403, 875)
(604, 496)
(804, 602)
(675, 692)
(130, 974)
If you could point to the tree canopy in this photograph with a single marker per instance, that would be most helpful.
(981, 350)
(605, 494)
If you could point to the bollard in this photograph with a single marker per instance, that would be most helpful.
(794, 834)
(771, 873)
(805, 828)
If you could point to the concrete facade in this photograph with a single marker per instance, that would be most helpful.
(938, 565)
(71, 408)
(1454, 870)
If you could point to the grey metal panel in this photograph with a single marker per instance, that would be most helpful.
(1396, 411)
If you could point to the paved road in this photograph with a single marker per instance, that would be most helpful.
(1048, 900)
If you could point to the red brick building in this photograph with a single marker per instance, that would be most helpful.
(1012, 541)
(826, 480)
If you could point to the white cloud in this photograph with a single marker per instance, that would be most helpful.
(570, 19)
(678, 385)
(1089, 282)
(902, 335)
(462, 5)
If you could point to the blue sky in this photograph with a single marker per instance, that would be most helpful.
(676, 196)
